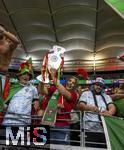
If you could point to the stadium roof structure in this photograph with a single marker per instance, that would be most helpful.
(92, 31)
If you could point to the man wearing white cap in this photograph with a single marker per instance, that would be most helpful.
(95, 101)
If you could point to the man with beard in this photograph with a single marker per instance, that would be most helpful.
(95, 101)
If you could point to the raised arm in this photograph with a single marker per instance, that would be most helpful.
(11, 36)
(42, 88)
(63, 90)
(13, 39)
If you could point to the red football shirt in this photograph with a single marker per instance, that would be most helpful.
(68, 106)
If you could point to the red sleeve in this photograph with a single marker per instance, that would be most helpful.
(74, 96)
(70, 104)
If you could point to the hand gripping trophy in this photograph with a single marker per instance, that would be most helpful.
(54, 59)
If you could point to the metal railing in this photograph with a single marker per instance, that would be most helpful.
(93, 132)
(82, 140)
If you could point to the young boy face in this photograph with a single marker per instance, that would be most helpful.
(24, 78)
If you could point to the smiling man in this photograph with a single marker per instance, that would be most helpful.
(95, 101)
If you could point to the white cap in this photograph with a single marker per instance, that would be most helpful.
(100, 81)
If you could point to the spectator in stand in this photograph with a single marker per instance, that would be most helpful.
(96, 101)
(67, 98)
(8, 43)
(118, 99)
(20, 99)
(115, 87)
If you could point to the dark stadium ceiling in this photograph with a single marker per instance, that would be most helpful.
(88, 29)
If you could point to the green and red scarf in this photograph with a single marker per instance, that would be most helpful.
(13, 89)
(49, 117)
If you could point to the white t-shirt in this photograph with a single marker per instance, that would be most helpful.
(21, 103)
(87, 97)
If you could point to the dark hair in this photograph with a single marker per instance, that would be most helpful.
(73, 77)
(121, 86)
